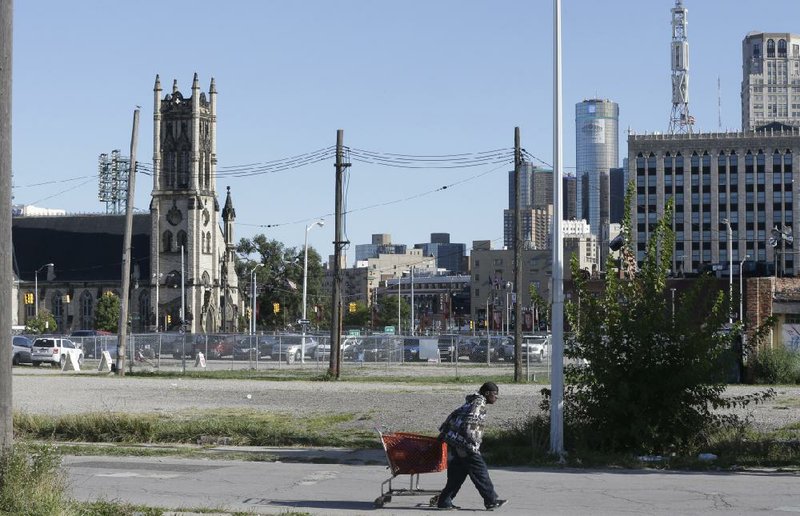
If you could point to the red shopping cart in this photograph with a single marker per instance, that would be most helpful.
(411, 454)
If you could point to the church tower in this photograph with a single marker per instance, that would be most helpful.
(190, 256)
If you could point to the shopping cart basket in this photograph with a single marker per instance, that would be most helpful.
(411, 454)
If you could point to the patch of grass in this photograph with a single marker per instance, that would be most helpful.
(31, 481)
(735, 446)
(465, 377)
(233, 427)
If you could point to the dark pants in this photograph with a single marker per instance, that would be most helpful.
(461, 463)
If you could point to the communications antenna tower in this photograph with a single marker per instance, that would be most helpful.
(680, 121)
(113, 178)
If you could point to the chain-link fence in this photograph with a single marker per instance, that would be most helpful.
(374, 354)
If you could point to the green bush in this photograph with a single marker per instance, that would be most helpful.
(646, 375)
(775, 365)
(31, 481)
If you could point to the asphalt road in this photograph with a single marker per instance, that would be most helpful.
(336, 489)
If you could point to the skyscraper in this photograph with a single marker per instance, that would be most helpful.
(771, 69)
(597, 152)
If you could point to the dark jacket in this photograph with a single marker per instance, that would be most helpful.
(463, 428)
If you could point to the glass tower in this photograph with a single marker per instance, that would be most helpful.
(597, 152)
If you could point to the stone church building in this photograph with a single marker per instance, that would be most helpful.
(183, 252)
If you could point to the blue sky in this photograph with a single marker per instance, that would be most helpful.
(417, 77)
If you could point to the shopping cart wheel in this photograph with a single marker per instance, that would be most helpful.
(382, 500)
(434, 502)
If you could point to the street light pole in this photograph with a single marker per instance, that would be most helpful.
(36, 288)
(730, 269)
(319, 223)
(253, 298)
(741, 285)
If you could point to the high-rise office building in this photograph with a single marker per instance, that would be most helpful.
(771, 79)
(597, 152)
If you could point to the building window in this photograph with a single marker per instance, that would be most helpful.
(166, 241)
(770, 48)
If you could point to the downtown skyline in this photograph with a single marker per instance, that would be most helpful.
(418, 79)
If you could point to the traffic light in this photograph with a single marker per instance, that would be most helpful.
(28, 298)
(169, 319)
(352, 307)
(276, 307)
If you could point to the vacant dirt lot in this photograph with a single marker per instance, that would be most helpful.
(396, 406)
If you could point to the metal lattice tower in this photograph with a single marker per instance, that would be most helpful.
(113, 181)
(680, 121)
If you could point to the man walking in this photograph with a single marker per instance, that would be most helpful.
(463, 433)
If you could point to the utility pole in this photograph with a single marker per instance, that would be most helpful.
(126, 252)
(517, 257)
(6, 42)
(338, 243)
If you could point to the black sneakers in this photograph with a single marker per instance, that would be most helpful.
(495, 504)
(450, 507)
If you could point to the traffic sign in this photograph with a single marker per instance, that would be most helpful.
(303, 321)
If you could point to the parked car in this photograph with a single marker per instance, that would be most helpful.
(94, 342)
(420, 349)
(493, 345)
(214, 346)
(251, 348)
(447, 347)
(537, 347)
(348, 344)
(20, 350)
(54, 350)
(289, 348)
(382, 349)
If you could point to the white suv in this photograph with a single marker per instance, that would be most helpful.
(54, 350)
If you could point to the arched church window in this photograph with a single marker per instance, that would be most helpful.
(57, 308)
(208, 243)
(87, 311)
(144, 309)
(183, 170)
(182, 239)
(166, 241)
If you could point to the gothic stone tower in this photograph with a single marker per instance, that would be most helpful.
(186, 216)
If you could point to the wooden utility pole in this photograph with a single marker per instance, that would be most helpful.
(6, 426)
(336, 301)
(126, 252)
(517, 258)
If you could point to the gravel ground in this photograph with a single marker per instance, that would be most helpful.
(414, 408)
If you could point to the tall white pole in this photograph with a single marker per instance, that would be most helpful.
(730, 270)
(741, 288)
(557, 364)
(413, 326)
(183, 294)
(319, 223)
(253, 298)
(398, 304)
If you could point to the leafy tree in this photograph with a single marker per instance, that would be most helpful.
(106, 316)
(543, 307)
(280, 280)
(44, 322)
(650, 381)
(387, 311)
(358, 319)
